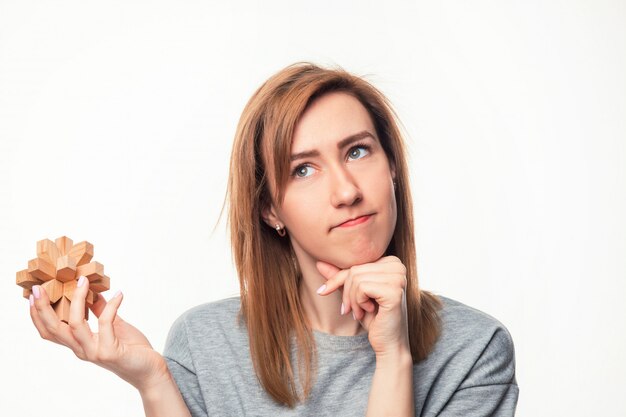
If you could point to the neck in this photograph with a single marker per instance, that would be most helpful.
(323, 312)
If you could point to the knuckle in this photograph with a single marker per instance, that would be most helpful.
(356, 269)
(75, 324)
(402, 281)
(102, 321)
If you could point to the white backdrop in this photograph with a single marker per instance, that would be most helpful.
(116, 121)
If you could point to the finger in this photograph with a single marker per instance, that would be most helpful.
(386, 296)
(357, 281)
(105, 321)
(337, 281)
(348, 293)
(39, 325)
(59, 331)
(327, 270)
(45, 312)
(345, 297)
(389, 259)
(98, 305)
(383, 265)
(79, 326)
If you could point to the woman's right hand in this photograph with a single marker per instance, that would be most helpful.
(118, 346)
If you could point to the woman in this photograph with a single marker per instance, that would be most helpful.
(330, 320)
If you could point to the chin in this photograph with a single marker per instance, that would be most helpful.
(347, 259)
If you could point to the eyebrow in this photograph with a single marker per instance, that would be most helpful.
(341, 144)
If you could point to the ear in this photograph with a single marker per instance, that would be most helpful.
(270, 217)
(392, 168)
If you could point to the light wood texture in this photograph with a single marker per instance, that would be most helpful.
(57, 268)
(48, 250)
(41, 269)
(26, 280)
(54, 289)
(101, 285)
(62, 308)
(66, 268)
(64, 244)
(70, 287)
(82, 252)
(93, 271)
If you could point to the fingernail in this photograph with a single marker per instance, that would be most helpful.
(117, 294)
(342, 309)
(81, 281)
(321, 289)
(353, 317)
(31, 299)
(36, 291)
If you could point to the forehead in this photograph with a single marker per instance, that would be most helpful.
(329, 119)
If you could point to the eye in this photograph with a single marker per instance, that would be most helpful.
(358, 152)
(302, 171)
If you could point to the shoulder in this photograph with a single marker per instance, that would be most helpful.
(205, 324)
(214, 311)
(471, 366)
(462, 318)
(477, 343)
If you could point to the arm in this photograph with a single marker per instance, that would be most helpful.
(392, 386)
(118, 347)
(490, 387)
(164, 400)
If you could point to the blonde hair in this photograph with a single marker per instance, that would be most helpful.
(268, 273)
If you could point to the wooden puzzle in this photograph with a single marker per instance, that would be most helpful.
(57, 267)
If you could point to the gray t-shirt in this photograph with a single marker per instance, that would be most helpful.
(470, 372)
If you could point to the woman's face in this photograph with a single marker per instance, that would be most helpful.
(339, 203)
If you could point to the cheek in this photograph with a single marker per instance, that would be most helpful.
(301, 211)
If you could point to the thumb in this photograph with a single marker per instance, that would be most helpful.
(327, 270)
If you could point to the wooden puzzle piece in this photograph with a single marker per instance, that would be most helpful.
(101, 285)
(54, 289)
(47, 249)
(66, 268)
(41, 269)
(26, 280)
(93, 271)
(82, 253)
(57, 268)
(70, 287)
(64, 244)
(62, 308)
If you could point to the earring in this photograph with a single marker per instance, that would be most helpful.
(395, 184)
(281, 231)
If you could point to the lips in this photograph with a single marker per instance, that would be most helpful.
(354, 221)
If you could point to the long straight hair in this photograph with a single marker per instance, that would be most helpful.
(268, 272)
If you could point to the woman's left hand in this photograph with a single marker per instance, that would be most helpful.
(375, 293)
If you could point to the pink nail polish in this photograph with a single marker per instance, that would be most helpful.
(342, 309)
(36, 291)
(353, 317)
(321, 289)
(81, 281)
(31, 300)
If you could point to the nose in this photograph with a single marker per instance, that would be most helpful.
(344, 189)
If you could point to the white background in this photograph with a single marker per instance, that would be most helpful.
(116, 121)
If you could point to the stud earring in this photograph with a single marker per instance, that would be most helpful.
(280, 230)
